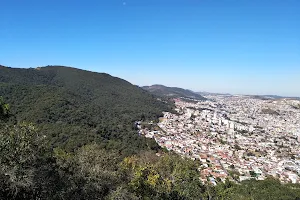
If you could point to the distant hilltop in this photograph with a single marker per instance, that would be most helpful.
(273, 97)
(212, 93)
(173, 92)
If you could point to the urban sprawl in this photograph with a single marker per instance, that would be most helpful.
(234, 137)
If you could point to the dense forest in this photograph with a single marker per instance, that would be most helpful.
(75, 107)
(69, 134)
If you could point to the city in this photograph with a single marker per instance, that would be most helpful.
(235, 137)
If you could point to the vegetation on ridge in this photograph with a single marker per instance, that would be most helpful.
(173, 92)
(75, 107)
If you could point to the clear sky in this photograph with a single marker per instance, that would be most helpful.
(235, 46)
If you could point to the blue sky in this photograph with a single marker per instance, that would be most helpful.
(236, 46)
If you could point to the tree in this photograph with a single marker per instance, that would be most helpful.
(237, 147)
(121, 194)
(252, 173)
(23, 163)
(89, 173)
(4, 109)
(166, 177)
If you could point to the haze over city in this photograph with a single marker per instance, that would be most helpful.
(240, 47)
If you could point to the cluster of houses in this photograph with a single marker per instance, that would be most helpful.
(234, 137)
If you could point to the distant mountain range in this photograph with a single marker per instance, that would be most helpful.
(273, 97)
(212, 93)
(253, 96)
(172, 92)
(175, 92)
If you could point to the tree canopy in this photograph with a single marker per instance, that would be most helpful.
(75, 107)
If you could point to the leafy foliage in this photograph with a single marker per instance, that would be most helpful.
(269, 189)
(165, 177)
(4, 109)
(25, 165)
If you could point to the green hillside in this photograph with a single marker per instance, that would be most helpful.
(74, 107)
(173, 92)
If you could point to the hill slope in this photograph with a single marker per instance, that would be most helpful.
(172, 92)
(75, 107)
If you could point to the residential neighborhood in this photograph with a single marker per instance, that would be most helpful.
(235, 137)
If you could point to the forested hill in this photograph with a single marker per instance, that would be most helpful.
(75, 107)
(172, 92)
